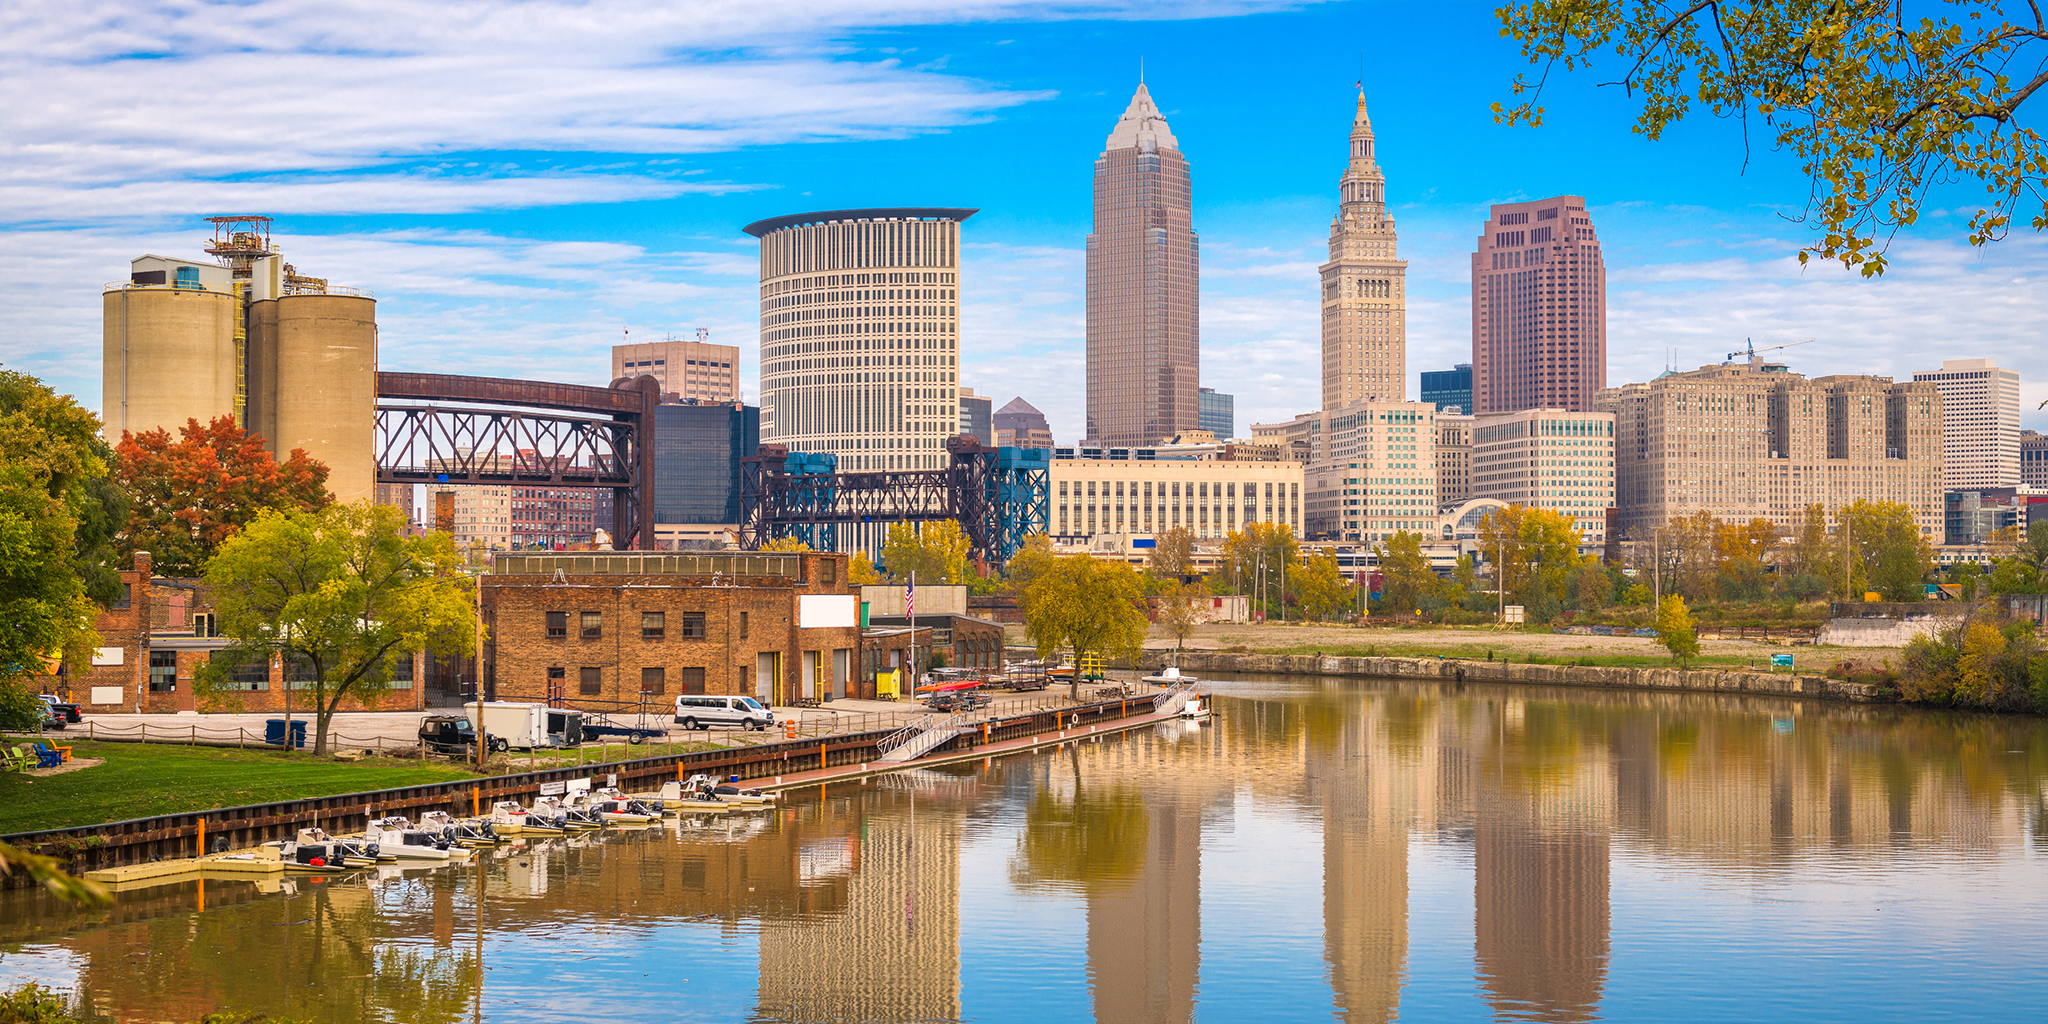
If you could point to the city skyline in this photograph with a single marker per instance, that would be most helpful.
(516, 239)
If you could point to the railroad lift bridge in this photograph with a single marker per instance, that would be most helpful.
(999, 495)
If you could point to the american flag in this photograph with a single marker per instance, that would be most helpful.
(910, 597)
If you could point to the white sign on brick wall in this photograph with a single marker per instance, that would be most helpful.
(107, 656)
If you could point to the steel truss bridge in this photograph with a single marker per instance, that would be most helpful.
(999, 495)
(435, 428)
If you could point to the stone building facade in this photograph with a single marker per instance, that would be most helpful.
(1548, 458)
(1208, 497)
(605, 629)
(1756, 441)
(1453, 458)
(1365, 285)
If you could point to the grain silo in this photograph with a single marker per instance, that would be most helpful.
(313, 361)
(168, 338)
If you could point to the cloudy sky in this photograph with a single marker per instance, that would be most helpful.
(520, 182)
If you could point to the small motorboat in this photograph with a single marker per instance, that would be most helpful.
(1197, 708)
(693, 796)
(1170, 676)
(465, 832)
(397, 838)
(730, 791)
(569, 817)
(315, 850)
(615, 807)
(509, 817)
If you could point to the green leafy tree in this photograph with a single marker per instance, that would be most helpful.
(1406, 577)
(1887, 551)
(1675, 630)
(193, 493)
(937, 553)
(343, 592)
(1591, 586)
(1180, 611)
(55, 558)
(1876, 102)
(1319, 586)
(2022, 571)
(1173, 557)
(1086, 605)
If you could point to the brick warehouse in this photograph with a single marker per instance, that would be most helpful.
(622, 628)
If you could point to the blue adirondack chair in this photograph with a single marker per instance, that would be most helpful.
(46, 756)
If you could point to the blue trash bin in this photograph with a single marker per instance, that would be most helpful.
(273, 732)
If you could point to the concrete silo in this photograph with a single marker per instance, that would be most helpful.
(313, 375)
(169, 345)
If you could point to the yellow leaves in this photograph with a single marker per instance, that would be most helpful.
(1977, 669)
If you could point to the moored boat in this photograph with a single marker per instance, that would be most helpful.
(315, 850)
(693, 796)
(466, 832)
(730, 791)
(399, 839)
(509, 817)
(567, 816)
(1196, 708)
(613, 806)
(1170, 676)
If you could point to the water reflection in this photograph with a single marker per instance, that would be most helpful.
(1085, 866)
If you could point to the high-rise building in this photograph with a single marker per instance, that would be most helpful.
(1144, 327)
(1449, 390)
(1365, 298)
(697, 452)
(1019, 424)
(1980, 414)
(1219, 414)
(1757, 441)
(977, 416)
(686, 369)
(1453, 457)
(1371, 468)
(1548, 458)
(1539, 309)
(860, 334)
(2033, 459)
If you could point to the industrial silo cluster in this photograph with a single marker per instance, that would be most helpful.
(291, 358)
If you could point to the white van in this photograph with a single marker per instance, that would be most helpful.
(705, 712)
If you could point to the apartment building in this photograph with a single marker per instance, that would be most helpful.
(1755, 440)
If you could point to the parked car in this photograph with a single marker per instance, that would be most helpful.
(52, 718)
(453, 734)
(69, 711)
(694, 712)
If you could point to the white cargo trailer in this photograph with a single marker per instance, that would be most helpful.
(526, 726)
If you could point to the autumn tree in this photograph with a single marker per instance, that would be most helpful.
(1742, 550)
(1180, 611)
(860, 570)
(1690, 558)
(936, 553)
(1877, 103)
(1535, 550)
(791, 543)
(1406, 576)
(1675, 630)
(1253, 557)
(192, 494)
(343, 592)
(1319, 586)
(1173, 555)
(1592, 587)
(1086, 605)
(1811, 558)
(56, 553)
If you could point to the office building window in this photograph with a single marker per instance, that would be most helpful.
(590, 681)
(652, 625)
(593, 625)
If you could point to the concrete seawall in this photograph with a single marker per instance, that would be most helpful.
(1448, 670)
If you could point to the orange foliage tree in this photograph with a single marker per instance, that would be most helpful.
(192, 494)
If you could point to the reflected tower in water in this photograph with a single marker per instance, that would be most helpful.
(1539, 857)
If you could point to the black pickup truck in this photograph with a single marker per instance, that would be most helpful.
(59, 709)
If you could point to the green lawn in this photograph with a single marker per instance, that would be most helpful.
(1478, 652)
(140, 780)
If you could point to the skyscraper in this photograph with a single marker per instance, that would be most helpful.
(1365, 303)
(1539, 309)
(1219, 414)
(860, 334)
(1980, 419)
(1144, 331)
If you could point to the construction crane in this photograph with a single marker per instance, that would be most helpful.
(1749, 349)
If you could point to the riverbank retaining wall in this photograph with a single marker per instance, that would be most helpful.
(1779, 684)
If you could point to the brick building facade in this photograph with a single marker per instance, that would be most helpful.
(612, 629)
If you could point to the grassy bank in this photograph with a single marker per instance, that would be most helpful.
(1481, 652)
(139, 780)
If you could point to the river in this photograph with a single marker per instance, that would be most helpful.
(1321, 850)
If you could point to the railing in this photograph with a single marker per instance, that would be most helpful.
(933, 734)
(1174, 699)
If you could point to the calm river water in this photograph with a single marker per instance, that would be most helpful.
(1321, 850)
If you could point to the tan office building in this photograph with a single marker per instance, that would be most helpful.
(686, 369)
(1980, 413)
(1539, 308)
(1548, 458)
(1144, 327)
(1453, 458)
(1756, 441)
(1371, 468)
(1210, 498)
(1365, 303)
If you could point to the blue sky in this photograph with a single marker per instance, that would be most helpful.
(518, 182)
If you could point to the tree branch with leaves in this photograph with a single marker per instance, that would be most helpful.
(1877, 104)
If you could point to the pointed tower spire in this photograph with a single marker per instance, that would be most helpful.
(1364, 284)
(1141, 124)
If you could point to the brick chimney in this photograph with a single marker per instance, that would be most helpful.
(142, 563)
